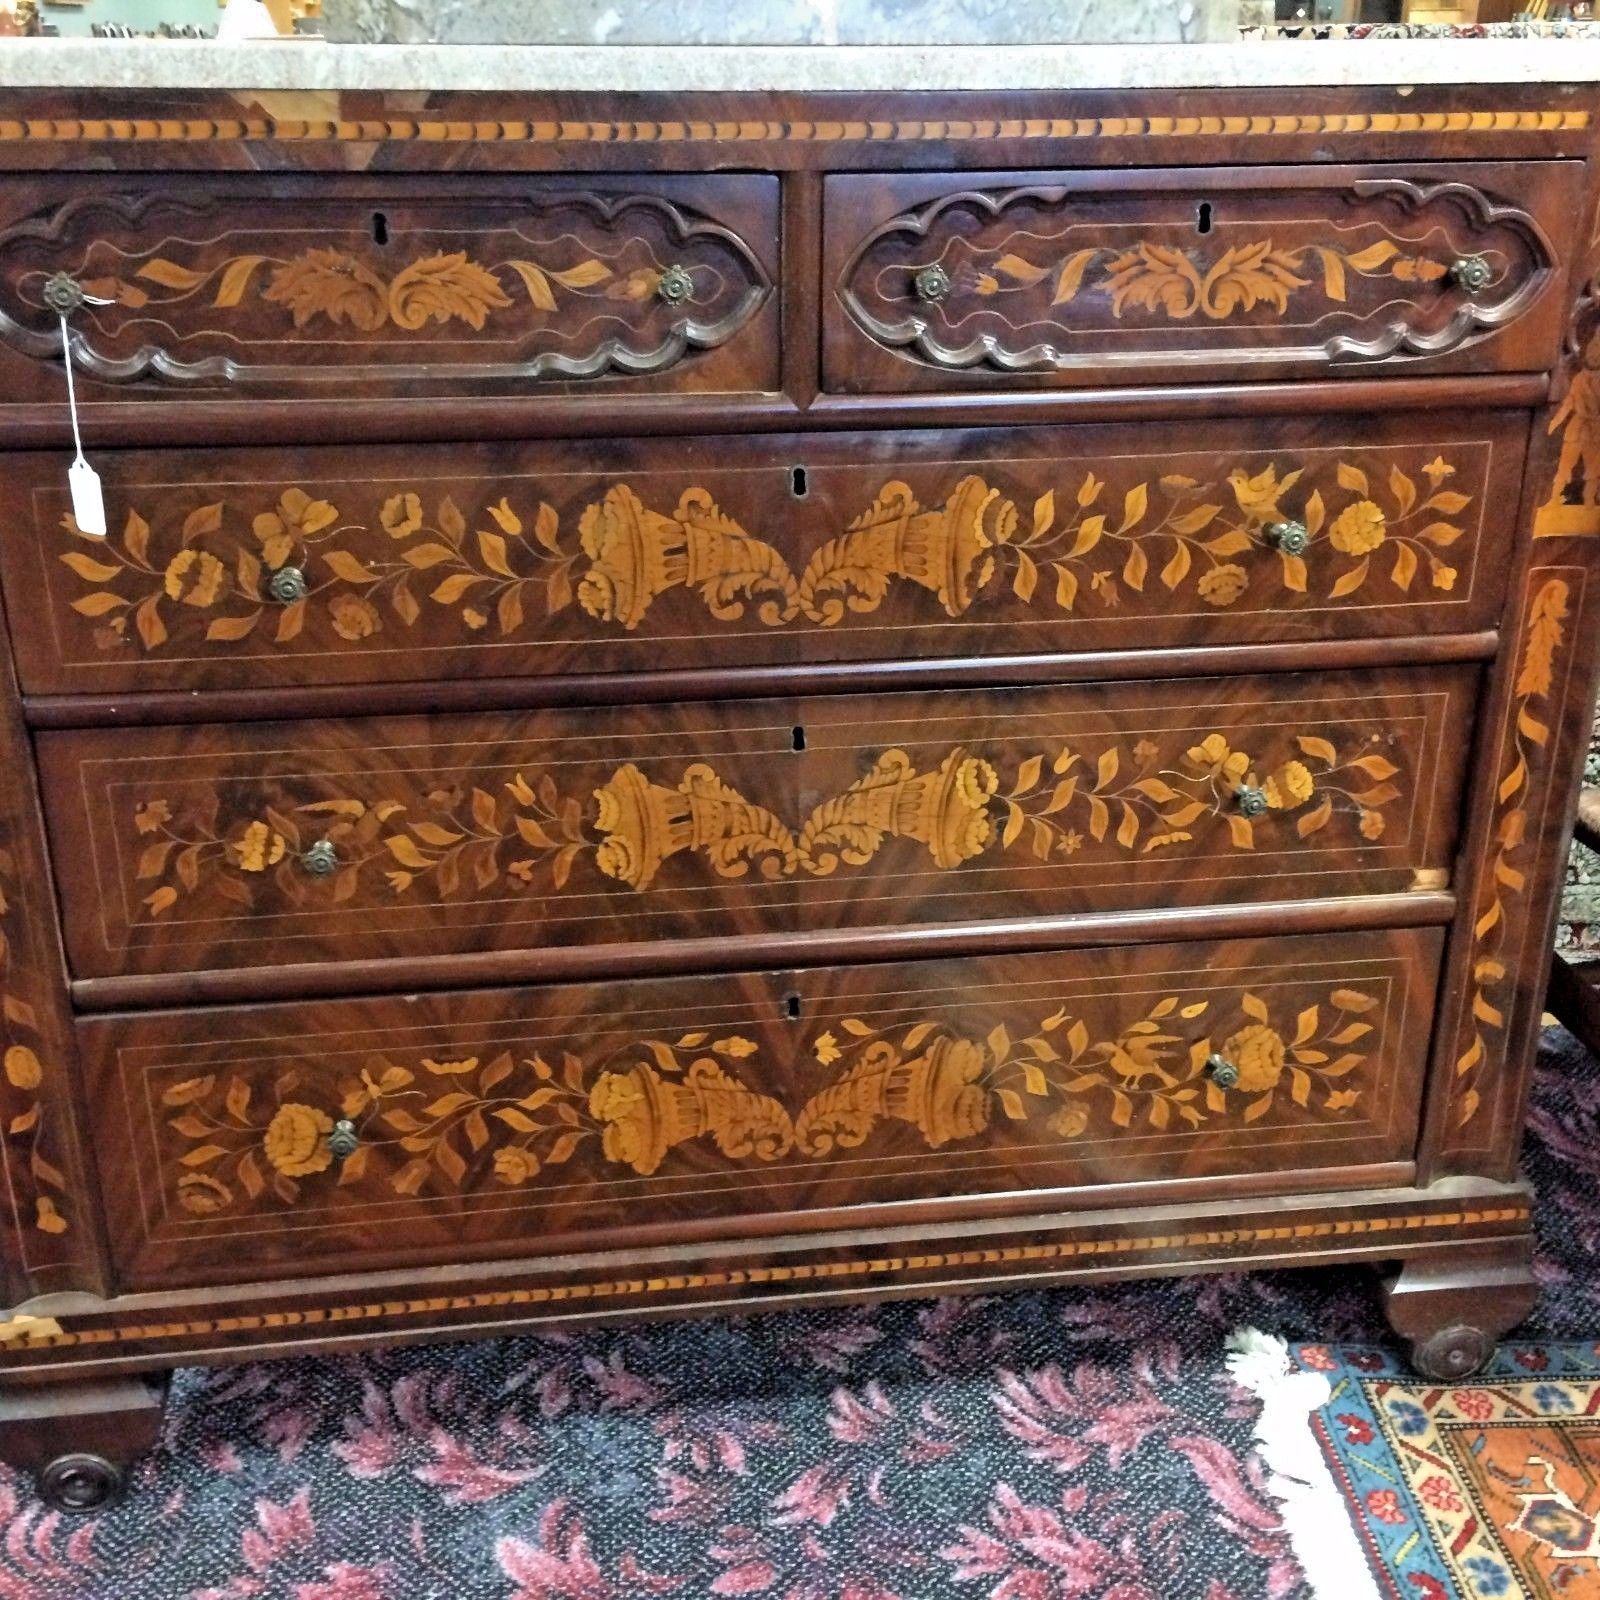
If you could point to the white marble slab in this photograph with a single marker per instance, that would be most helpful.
(309, 65)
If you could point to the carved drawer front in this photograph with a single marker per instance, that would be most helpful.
(215, 847)
(944, 280)
(321, 1137)
(336, 288)
(253, 568)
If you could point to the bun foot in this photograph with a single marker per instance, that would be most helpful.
(1454, 1352)
(1453, 1305)
(79, 1439)
(80, 1483)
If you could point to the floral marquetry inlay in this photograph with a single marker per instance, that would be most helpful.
(1523, 763)
(451, 1121)
(528, 833)
(339, 288)
(1089, 546)
(227, 286)
(1053, 277)
(39, 1184)
(1177, 283)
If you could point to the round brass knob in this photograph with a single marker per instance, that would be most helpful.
(320, 858)
(1251, 802)
(63, 293)
(675, 285)
(1291, 538)
(1222, 1071)
(342, 1141)
(1471, 273)
(287, 585)
(931, 285)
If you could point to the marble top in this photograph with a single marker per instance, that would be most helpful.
(314, 65)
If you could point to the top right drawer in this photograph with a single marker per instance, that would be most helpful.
(978, 280)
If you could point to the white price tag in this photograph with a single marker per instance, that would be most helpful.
(88, 500)
(88, 503)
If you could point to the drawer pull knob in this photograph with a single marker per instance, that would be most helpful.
(1221, 1071)
(1289, 537)
(1252, 802)
(1471, 273)
(288, 585)
(676, 285)
(63, 293)
(932, 284)
(320, 858)
(342, 1141)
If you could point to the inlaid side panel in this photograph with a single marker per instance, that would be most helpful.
(1542, 712)
(503, 1122)
(939, 281)
(47, 1225)
(245, 569)
(254, 284)
(182, 849)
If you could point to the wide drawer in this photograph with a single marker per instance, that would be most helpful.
(240, 285)
(940, 280)
(252, 568)
(566, 1117)
(216, 847)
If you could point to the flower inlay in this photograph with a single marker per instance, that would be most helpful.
(527, 834)
(449, 1121)
(1082, 550)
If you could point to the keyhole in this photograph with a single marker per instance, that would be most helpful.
(1202, 221)
(380, 228)
(791, 1007)
(797, 737)
(798, 486)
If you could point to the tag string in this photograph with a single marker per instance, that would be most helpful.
(72, 394)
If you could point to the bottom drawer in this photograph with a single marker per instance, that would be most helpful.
(516, 1122)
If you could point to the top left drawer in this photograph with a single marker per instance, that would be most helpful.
(251, 285)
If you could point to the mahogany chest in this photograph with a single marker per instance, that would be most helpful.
(697, 702)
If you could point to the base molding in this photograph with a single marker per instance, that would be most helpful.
(1457, 1217)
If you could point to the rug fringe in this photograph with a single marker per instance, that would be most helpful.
(1315, 1515)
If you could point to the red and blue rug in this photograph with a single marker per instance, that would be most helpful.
(1074, 1445)
(1488, 1488)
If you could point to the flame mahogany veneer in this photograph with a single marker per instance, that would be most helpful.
(714, 701)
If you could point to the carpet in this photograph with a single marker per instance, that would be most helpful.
(1077, 1444)
(1483, 1490)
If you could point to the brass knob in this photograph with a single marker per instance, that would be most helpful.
(931, 285)
(1289, 537)
(343, 1140)
(288, 584)
(1221, 1071)
(320, 858)
(63, 293)
(1251, 802)
(1471, 273)
(675, 285)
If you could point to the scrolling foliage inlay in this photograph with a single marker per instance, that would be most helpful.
(1104, 797)
(239, 287)
(41, 1184)
(447, 1123)
(1526, 755)
(1088, 548)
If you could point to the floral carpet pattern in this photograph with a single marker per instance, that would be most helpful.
(1487, 1489)
(1078, 1444)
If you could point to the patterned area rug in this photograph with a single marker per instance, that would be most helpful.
(1075, 1445)
(1488, 1489)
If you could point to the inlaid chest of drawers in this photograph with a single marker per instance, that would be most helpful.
(695, 702)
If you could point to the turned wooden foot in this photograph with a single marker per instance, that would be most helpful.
(1453, 1305)
(78, 1440)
